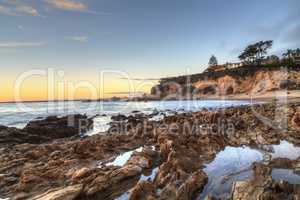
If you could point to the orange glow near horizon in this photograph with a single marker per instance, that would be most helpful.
(35, 88)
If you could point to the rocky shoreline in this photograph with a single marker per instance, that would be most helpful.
(142, 158)
(45, 130)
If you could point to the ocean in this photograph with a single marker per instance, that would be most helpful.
(19, 114)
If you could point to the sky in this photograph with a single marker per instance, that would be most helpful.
(92, 47)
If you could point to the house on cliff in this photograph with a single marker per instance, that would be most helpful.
(214, 68)
(273, 59)
(297, 58)
(233, 65)
(228, 65)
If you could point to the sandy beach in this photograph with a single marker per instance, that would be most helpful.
(280, 95)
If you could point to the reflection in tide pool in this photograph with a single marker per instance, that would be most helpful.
(150, 177)
(286, 175)
(234, 164)
(285, 150)
(123, 158)
(124, 196)
(232, 161)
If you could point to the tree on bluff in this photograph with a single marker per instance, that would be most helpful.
(213, 61)
(255, 53)
(289, 57)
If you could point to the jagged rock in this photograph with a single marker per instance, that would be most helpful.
(192, 186)
(11, 136)
(67, 193)
(108, 185)
(80, 173)
(143, 190)
(28, 170)
(119, 117)
(282, 163)
(60, 127)
(263, 187)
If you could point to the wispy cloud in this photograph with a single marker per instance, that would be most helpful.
(20, 7)
(21, 44)
(68, 5)
(73, 5)
(6, 10)
(16, 8)
(78, 38)
(27, 10)
(20, 27)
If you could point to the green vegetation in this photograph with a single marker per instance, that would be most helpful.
(213, 61)
(288, 57)
(254, 53)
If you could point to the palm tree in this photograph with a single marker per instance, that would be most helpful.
(289, 55)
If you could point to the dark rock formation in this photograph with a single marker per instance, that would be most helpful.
(45, 130)
(119, 117)
(288, 84)
(9, 136)
(60, 127)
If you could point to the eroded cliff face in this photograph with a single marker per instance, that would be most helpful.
(262, 81)
(257, 82)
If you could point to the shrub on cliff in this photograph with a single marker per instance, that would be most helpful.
(213, 61)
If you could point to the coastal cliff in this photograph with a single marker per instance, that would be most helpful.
(244, 80)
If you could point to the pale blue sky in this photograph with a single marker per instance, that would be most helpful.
(139, 35)
(146, 38)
